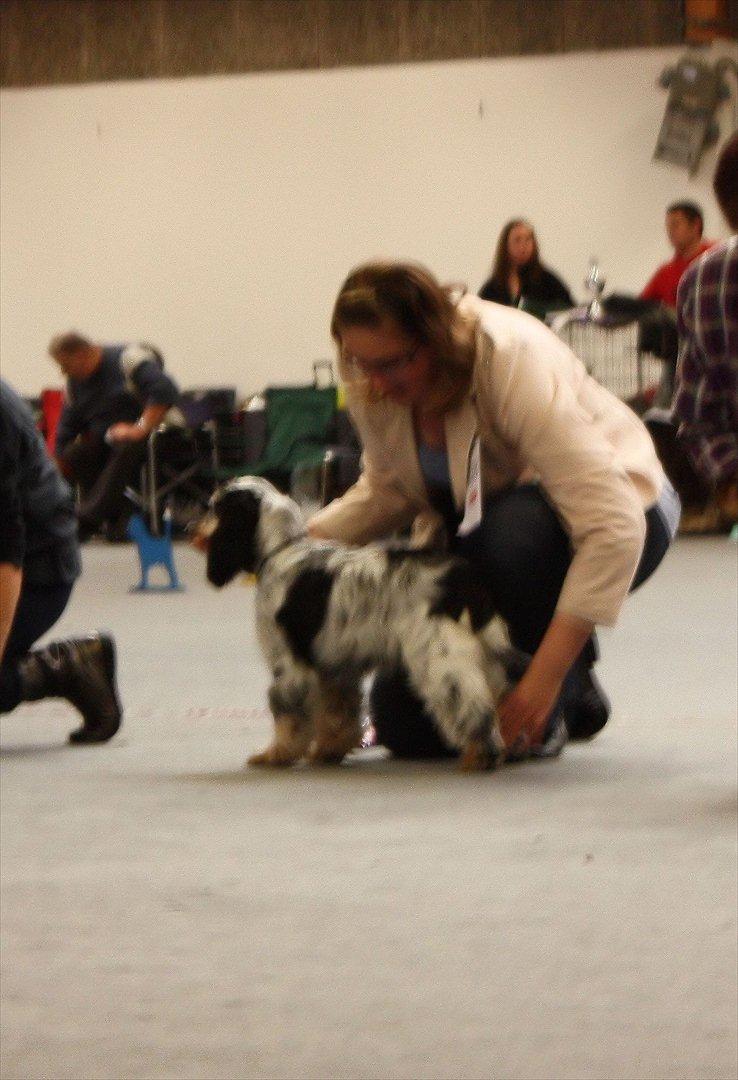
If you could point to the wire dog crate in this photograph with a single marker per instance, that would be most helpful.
(611, 354)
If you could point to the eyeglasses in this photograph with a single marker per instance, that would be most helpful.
(387, 368)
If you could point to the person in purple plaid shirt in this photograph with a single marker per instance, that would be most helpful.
(705, 405)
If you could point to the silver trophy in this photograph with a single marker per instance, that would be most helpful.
(594, 283)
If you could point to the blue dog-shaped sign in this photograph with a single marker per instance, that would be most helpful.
(153, 551)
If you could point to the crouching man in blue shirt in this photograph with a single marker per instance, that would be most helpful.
(116, 396)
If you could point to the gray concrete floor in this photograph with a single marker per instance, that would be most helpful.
(167, 913)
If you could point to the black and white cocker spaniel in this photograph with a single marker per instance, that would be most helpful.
(327, 615)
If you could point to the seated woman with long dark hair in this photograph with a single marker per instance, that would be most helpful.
(518, 276)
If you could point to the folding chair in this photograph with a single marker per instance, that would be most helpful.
(297, 440)
(178, 471)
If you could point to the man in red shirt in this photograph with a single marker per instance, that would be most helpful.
(684, 224)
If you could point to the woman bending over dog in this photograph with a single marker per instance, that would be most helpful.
(475, 416)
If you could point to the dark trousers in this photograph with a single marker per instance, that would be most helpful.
(523, 555)
(102, 473)
(38, 609)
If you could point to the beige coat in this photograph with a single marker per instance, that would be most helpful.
(539, 416)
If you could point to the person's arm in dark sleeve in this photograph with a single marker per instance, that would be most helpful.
(153, 385)
(69, 427)
(491, 291)
(561, 293)
(157, 391)
(556, 292)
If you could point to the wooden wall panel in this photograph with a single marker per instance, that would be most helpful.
(359, 32)
(663, 20)
(274, 36)
(125, 39)
(200, 39)
(44, 42)
(52, 41)
(441, 30)
(602, 24)
(521, 27)
(590, 21)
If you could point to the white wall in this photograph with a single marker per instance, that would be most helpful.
(217, 217)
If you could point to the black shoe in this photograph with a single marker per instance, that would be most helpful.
(586, 705)
(555, 739)
(81, 670)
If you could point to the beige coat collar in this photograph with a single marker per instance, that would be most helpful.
(461, 427)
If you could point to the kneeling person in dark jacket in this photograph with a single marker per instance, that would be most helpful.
(39, 563)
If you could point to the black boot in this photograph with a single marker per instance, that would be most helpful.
(81, 670)
(586, 705)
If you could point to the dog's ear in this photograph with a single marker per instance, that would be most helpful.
(232, 547)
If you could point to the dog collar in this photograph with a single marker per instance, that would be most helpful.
(275, 551)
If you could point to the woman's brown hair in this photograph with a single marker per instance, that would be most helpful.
(424, 310)
(501, 264)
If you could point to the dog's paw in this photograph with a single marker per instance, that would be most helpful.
(274, 756)
(333, 742)
(479, 755)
